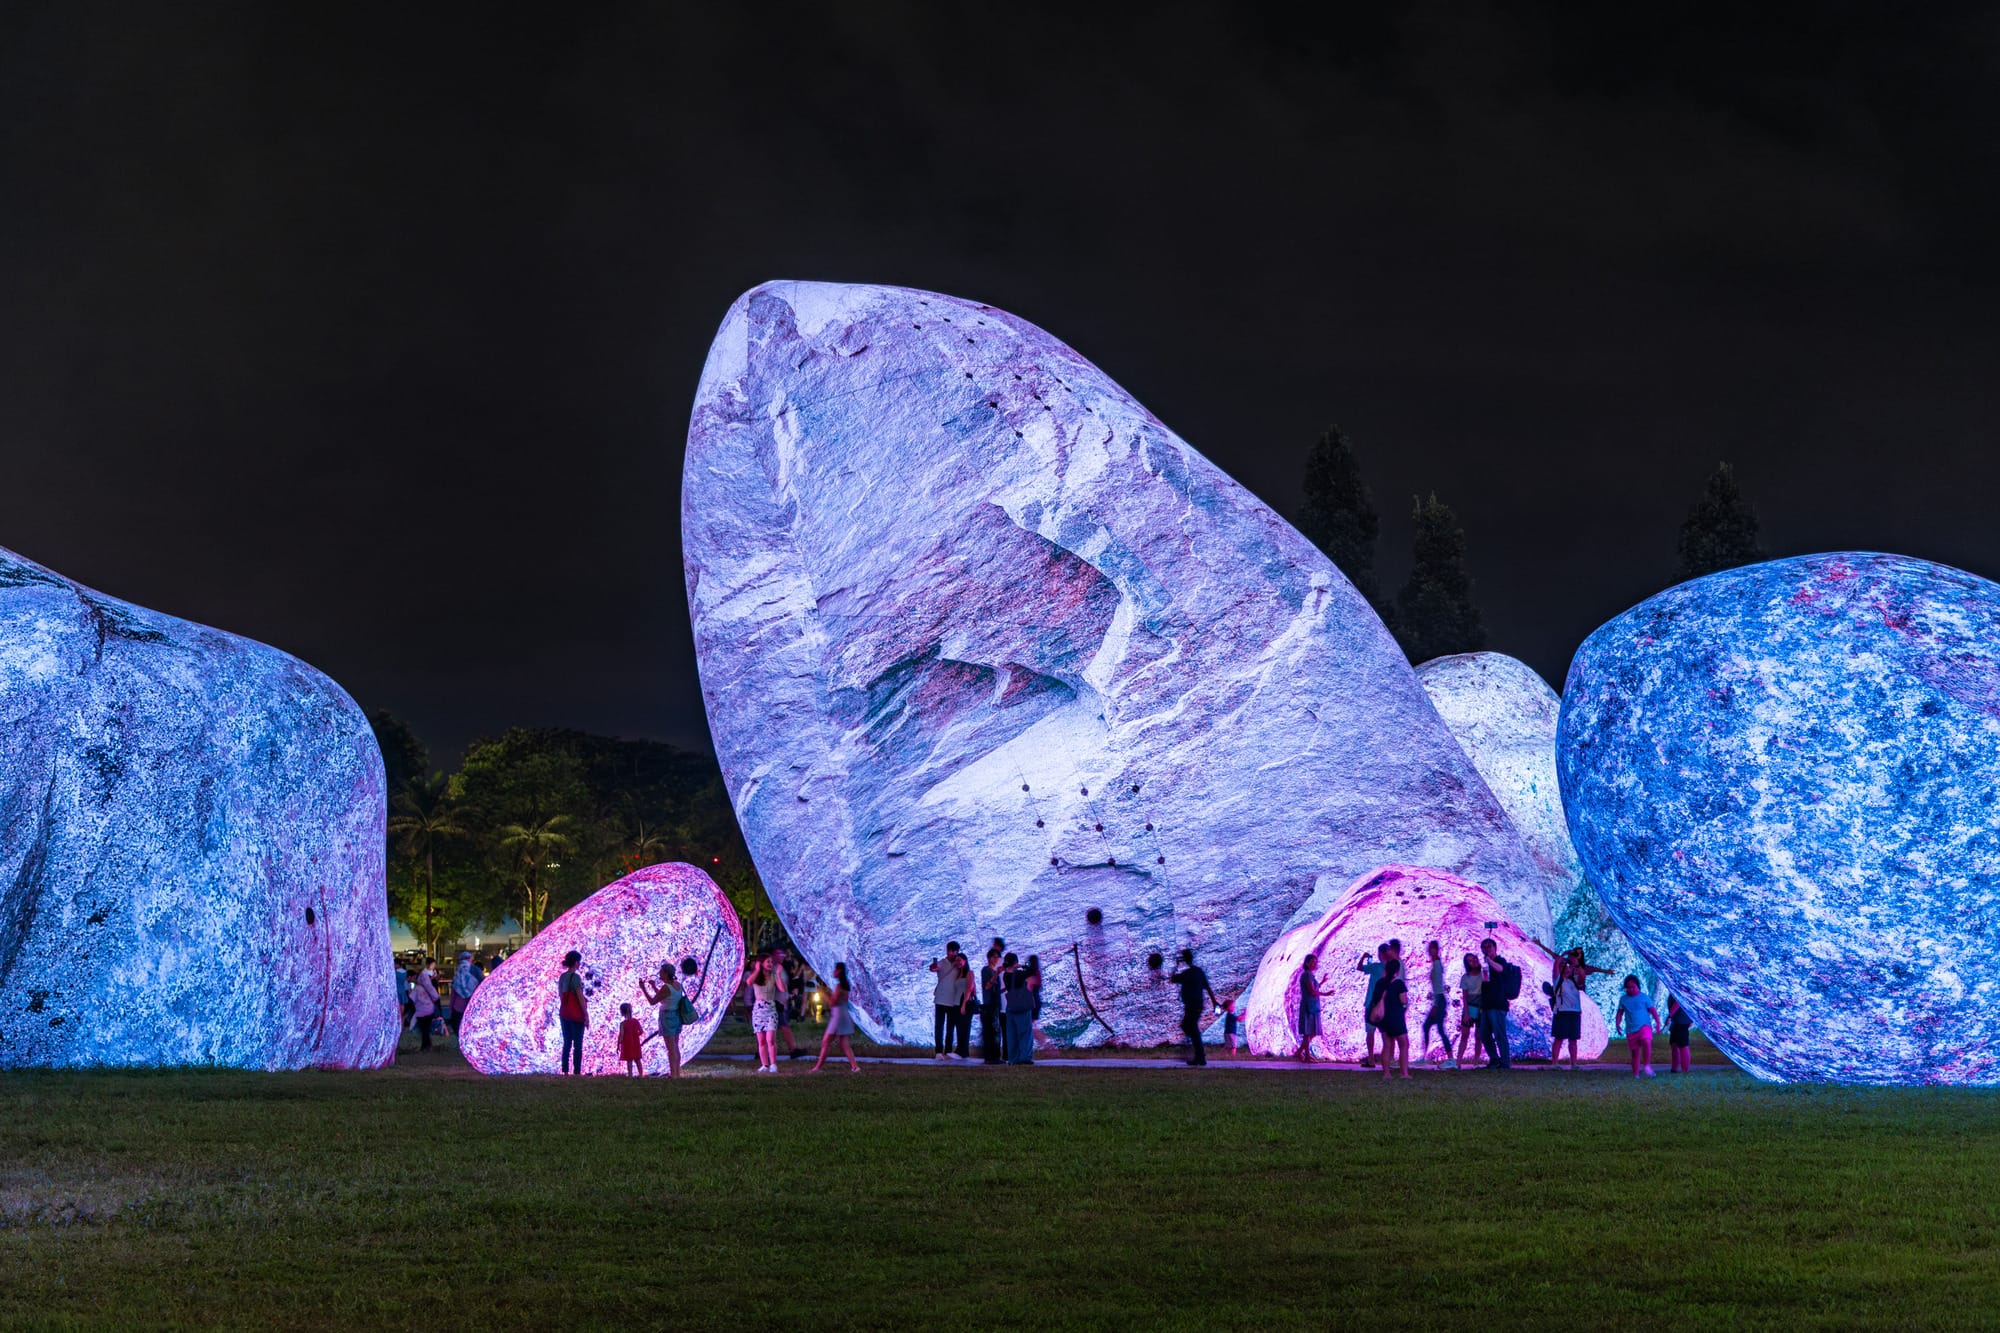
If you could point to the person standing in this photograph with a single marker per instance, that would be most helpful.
(1309, 997)
(1019, 1002)
(1470, 983)
(424, 998)
(1392, 1017)
(464, 981)
(767, 1000)
(1194, 984)
(676, 1010)
(1033, 967)
(1566, 1022)
(1233, 1036)
(403, 1004)
(992, 1039)
(793, 993)
(968, 1000)
(1636, 1019)
(1502, 985)
(1371, 967)
(839, 1022)
(946, 997)
(1439, 1010)
(572, 1012)
(631, 1042)
(1678, 1023)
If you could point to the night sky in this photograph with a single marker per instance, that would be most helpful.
(372, 334)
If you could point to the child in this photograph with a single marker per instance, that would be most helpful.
(1636, 1019)
(1232, 1028)
(630, 1036)
(1678, 1023)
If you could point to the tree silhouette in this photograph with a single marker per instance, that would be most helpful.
(1435, 613)
(532, 844)
(1720, 532)
(424, 818)
(1339, 512)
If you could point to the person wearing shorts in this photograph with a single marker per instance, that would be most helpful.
(1469, 983)
(1637, 1019)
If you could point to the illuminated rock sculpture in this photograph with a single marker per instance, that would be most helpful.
(1783, 780)
(625, 931)
(191, 845)
(1415, 905)
(987, 650)
(1504, 716)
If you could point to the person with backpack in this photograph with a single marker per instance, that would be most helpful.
(839, 1022)
(676, 1010)
(572, 1011)
(1502, 988)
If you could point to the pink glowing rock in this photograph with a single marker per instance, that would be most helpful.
(1413, 904)
(624, 931)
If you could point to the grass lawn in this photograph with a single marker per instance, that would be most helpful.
(983, 1198)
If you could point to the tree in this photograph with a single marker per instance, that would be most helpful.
(1720, 532)
(424, 819)
(1339, 512)
(404, 757)
(1435, 613)
(532, 846)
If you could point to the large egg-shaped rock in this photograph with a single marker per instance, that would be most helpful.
(1504, 716)
(988, 650)
(1784, 781)
(1415, 905)
(191, 845)
(661, 915)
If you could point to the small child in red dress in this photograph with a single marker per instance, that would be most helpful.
(630, 1035)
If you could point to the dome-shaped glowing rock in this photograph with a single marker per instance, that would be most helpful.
(625, 931)
(1504, 716)
(190, 845)
(1783, 781)
(1415, 905)
(985, 647)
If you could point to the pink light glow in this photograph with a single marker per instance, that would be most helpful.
(624, 931)
(1414, 904)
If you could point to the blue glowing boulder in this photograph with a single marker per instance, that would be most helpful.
(988, 650)
(1504, 716)
(1783, 780)
(191, 845)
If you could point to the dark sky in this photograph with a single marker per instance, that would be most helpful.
(373, 333)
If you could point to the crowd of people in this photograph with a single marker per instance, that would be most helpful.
(1005, 994)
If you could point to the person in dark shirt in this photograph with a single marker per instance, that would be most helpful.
(1493, 1008)
(1194, 984)
(1678, 1023)
(992, 1040)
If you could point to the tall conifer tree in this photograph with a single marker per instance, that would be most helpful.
(1720, 532)
(1435, 613)
(1339, 513)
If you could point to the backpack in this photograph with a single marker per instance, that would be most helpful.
(1510, 982)
(684, 1009)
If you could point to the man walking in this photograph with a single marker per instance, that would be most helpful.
(1502, 985)
(1193, 983)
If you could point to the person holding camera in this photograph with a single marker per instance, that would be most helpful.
(947, 1001)
(1502, 986)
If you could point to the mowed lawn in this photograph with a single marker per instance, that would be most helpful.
(908, 1197)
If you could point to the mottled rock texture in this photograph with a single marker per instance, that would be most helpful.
(1413, 904)
(987, 648)
(1783, 780)
(1504, 716)
(191, 844)
(625, 931)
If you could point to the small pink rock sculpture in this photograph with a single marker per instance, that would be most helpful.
(625, 931)
(1414, 904)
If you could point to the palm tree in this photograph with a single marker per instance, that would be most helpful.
(530, 844)
(424, 818)
(644, 847)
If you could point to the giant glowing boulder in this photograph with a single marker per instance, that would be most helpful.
(625, 931)
(190, 845)
(987, 650)
(1413, 904)
(1504, 716)
(1783, 780)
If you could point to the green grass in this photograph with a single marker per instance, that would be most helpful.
(991, 1198)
